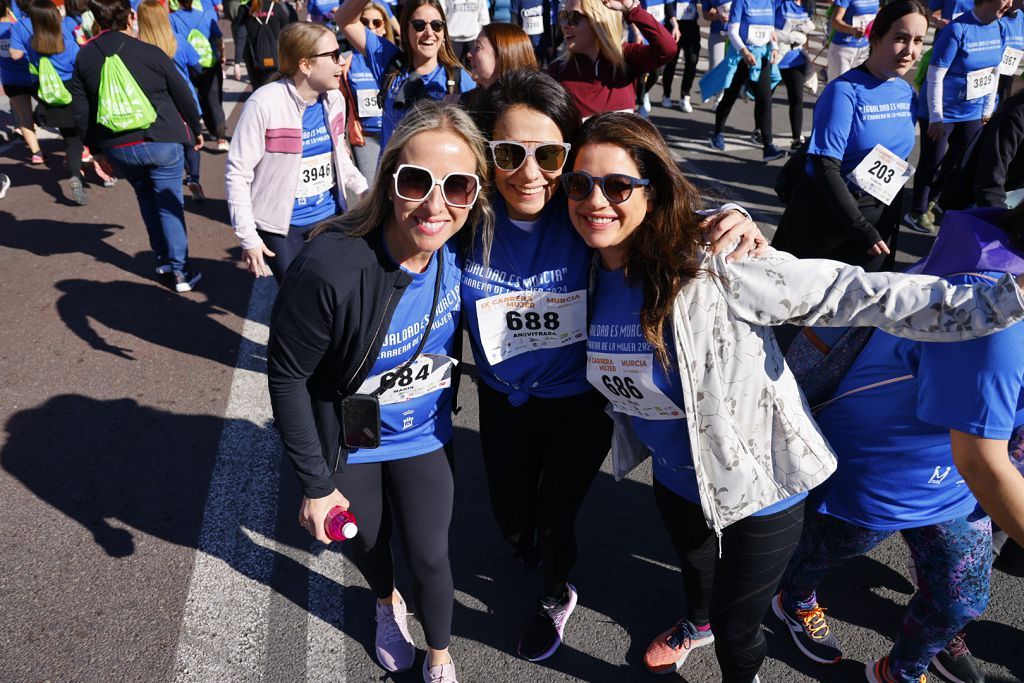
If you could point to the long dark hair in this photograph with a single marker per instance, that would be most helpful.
(47, 36)
(663, 254)
(445, 55)
(891, 13)
(534, 90)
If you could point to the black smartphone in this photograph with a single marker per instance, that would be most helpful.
(360, 421)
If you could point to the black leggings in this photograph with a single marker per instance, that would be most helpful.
(794, 80)
(541, 458)
(74, 146)
(285, 248)
(762, 91)
(418, 491)
(731, 592)
(954, 140)
(210, 88)
(689, 48)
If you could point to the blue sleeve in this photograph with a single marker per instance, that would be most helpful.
(973, 386)
(211, 20)
(467, 81)
(737, 11)
(20, 37)
(706, 5)
(833, 117)
(842, 3)
(378, 53)
(947, 44)
(934, 5)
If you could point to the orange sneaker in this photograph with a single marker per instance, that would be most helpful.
(667, 653)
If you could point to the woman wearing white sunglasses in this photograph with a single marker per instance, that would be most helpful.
(361, 365)
(526, 311)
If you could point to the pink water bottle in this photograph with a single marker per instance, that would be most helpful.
(340, 524)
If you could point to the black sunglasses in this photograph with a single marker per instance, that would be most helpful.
(415, 183)
(420, 25)
(335, 55)
(617, 187)
(570, 17)
(375, 23)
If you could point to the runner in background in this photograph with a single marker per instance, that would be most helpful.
(644, 82)
(231, 12)
(363, 87)
(534, 17)
(263, 167)
(369, 315)
(958, 98)
(47, 43)
(1013, 52)
(718, 35)
(945, 11)
(499, 49)
(793, 25)
(155, 29)
(849, 48)
(863, 129)
(683, 24)
(596, 68)
(465, 19)
(19, 83)
(201, 29)
(263, 21)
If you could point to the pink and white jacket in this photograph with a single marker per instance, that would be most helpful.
(263, 164)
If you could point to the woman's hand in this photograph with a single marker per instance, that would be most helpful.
(314, 511)
(199, 142)
(878, 248)
(621, 5)
(725, 227)
(749, 58)
(254, 261)
(935, 131)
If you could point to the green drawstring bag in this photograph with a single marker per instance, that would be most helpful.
(51, 88)
(122, 106)
(922, 70)
(202, 45)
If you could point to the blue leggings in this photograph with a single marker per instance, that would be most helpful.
(285, 248)
(954, 561)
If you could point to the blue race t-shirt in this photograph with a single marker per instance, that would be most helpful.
(1013, 29)
(964, 47)
(757, 13)
(183, 22)
(896, 466)
(64, 63)
(529, 15)
(527, 311)
(12, 71)
(858, 111)
(789, 10)
(315, 198)
(716, 25)
(186, 59)
(416, 414)
(363, 85)
(623, 367)
(951, 9)
(858, 13)
(379, 53)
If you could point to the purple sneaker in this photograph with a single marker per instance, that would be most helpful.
(543, 634)
(395, 650)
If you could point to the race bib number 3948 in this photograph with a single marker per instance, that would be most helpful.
(627, 381)
(517, 322)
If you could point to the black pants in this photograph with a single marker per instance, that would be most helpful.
(74, 146)
(689, 48)
(732, 592)
(541, 458)
(762, 91)
(794, 80)
(1005, 88)
(644, 84)
(954, 140)
(210, 88)
(285, 248)
(418, 492)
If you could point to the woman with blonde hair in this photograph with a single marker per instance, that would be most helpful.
(361, 368)
(290, 142)
(597, 69)
(155, 29)
(423, 64)
(364, 89)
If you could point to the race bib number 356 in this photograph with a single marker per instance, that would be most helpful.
(627, 381)
(517, 322)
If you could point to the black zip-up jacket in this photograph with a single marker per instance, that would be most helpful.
(177, 117)
(326, 330)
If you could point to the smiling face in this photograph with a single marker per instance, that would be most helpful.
(322, 73)
(898, 50)
(579, 39)
(605, 226)
(416, 229)
(483, 61)
(426, 44)
(528, 189)
(372, 14)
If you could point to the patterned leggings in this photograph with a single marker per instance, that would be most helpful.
(954, 560)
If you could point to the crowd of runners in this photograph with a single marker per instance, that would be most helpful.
(415, 172)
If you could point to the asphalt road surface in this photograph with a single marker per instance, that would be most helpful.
(149, 526)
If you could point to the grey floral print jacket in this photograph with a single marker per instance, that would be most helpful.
(752, 436)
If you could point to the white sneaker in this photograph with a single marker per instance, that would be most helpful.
(442, 673)
(647, 103)
(685, 105)
(667, 102)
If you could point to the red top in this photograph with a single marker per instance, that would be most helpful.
(597, 88)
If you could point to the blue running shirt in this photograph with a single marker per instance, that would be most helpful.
(759, 14)
(716, 26)
(416, 414)
(363, 85)
(12, 71)
(951, 9)
(965, 47)
(315, 197)
(858, 13)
